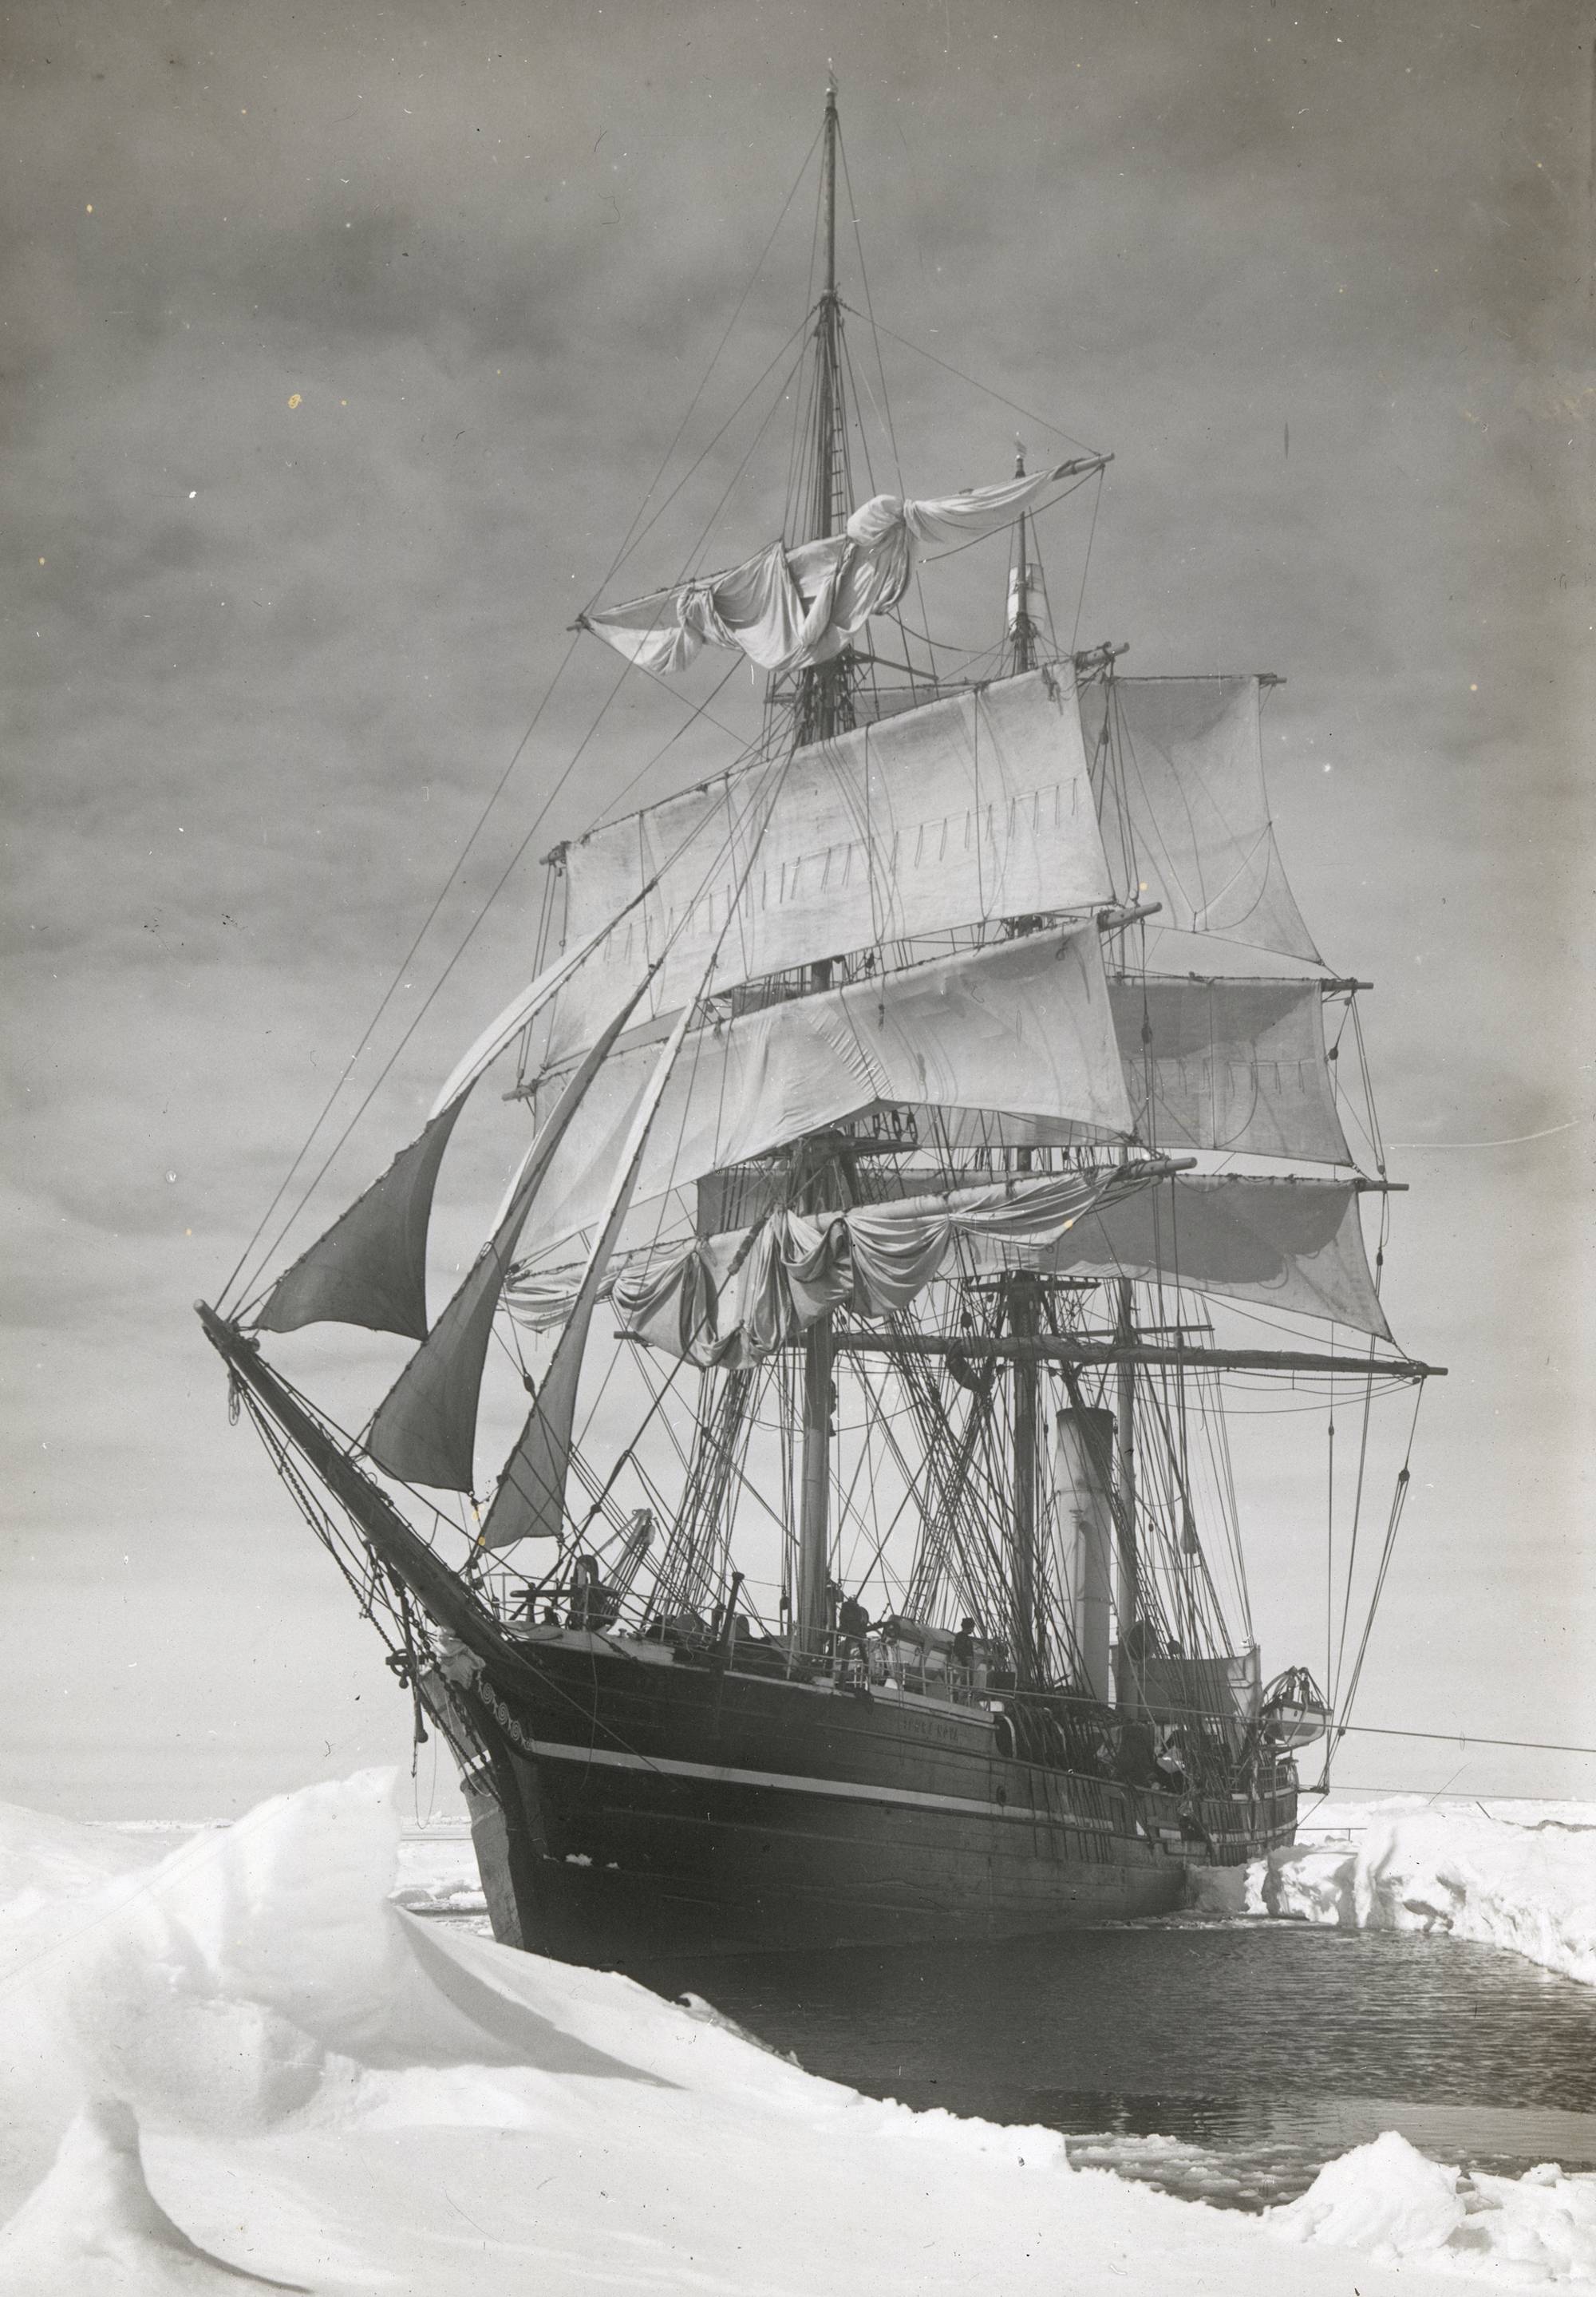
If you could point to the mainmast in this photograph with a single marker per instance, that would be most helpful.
(1130, 1566)
(1024, 1291)
(825, 710)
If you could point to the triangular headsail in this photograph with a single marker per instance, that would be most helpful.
(370, 1267)
(529, 1502)
(424, 1430)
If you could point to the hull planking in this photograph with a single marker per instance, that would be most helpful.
(645, 1804)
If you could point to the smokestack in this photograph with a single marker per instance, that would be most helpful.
(1085, 1483)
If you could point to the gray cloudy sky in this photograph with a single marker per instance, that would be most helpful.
(339, 346)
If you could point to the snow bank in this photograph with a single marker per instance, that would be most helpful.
(1390, 2202)
(243, 2059)
(1528, 1886)
(94, 2225)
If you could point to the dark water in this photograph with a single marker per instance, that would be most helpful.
(1228, 2060)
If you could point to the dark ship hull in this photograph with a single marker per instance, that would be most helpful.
(642, 1803)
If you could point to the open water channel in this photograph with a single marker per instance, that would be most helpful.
(1227, 2061)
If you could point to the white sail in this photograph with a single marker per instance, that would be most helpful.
(1025, 1022)
(1287, 1244)
(1235, 1065)
(525, 1007)
(529, 1501)
(424, 1430)
(1185, 813)
(973, 809)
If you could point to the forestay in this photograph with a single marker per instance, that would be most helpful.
(1184, 811)
(970, 810)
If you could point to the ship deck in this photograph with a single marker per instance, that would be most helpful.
(632, 1801)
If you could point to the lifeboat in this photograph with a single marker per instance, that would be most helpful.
(1294, 1711)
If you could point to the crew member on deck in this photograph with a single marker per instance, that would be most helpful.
(592, 1605)
(853, 1625)
(1170, 1759)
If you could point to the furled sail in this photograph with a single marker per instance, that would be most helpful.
(1292, 1245)
(1023, 1024)
(424, 1430)
(1185, 813)
(970, 810)
(370, 1267)
(731, 1300)
(529, 1502)
(786, 608)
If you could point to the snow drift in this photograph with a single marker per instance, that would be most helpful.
(240, 2064)
(1388, 2200)
(1528, 1886)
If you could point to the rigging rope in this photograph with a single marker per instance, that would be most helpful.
(1085, 566)
(391, 991)
(1398, 1501)
(632, 537)
(975, 383)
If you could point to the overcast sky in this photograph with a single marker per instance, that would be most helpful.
(339, 347)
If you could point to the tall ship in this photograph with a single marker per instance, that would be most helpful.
(911, 1183)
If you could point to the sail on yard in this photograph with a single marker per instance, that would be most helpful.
(927, 1097)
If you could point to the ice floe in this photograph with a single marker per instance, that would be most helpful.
(243, 2059)
(1529, 1886)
